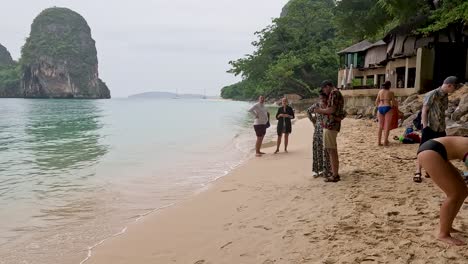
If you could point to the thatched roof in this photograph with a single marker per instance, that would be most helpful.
(378, 43)
(358, 47)
(407, 28)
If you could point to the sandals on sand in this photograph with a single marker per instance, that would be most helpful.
(332, 178)
(417, 177)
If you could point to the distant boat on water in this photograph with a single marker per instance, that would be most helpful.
(176, 95)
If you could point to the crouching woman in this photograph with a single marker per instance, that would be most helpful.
(434, 156)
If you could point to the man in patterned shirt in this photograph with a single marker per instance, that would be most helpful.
(433, 115)
(334, 113)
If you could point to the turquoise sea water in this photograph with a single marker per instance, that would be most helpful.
(73, 172)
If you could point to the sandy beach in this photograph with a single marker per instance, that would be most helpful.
(271, 210)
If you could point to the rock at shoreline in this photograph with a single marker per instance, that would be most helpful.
(462, 108)
(59, 58)
(458, 130)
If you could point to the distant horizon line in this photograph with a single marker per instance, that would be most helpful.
(170, 93)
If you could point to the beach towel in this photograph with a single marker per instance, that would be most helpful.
(394, 122)
(414, 137)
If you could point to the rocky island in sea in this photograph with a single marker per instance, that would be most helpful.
(58, 60)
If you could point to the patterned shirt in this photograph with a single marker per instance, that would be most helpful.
(333, 121)
(437, 103)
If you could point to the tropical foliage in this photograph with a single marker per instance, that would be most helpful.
(10, 80)
(293, 55)
(298, 50)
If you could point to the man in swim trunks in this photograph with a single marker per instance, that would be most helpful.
(434, 156)
(433, 115)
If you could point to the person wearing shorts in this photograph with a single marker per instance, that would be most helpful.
(433, 115)
(261, 115)
(333, 114)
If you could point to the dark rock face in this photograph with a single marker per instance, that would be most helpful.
(59, 59)
(5, 57)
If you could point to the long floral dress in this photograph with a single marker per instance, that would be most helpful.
(320, 160)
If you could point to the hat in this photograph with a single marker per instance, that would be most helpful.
(452, 80)
(326, 83)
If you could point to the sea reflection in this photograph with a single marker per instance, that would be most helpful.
(49, 155)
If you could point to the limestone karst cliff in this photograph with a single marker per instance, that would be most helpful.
(59, 59)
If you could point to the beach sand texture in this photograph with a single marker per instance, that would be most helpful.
(271, 210)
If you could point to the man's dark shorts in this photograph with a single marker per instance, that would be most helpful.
(428, 133)
(260, 130)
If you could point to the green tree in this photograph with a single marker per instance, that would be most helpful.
(361, 19)
(10, 80)
(450, 15)
(293, 55)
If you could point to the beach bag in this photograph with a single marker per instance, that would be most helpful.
(267, 125)
(417, 122)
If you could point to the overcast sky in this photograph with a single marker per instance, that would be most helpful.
(156, 45)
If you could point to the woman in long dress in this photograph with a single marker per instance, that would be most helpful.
(320, 161)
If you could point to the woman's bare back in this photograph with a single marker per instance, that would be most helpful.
(456, 147)
(385, 98)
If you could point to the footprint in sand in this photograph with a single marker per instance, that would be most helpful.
(393, 213)
(231, 190)
(225, 245)
(241, 208)
(263, 227)
(297, 198)
(200, 262)
(289, 234)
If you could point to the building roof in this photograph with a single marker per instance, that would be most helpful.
(358, 47)
(407, 28)
(377, 44)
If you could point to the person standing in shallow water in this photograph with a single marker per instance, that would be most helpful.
(261, 115)
(284, 115)
(385, 101)
(434, 156)
(320, 161)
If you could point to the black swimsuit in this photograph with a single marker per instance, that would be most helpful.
(434, 146)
